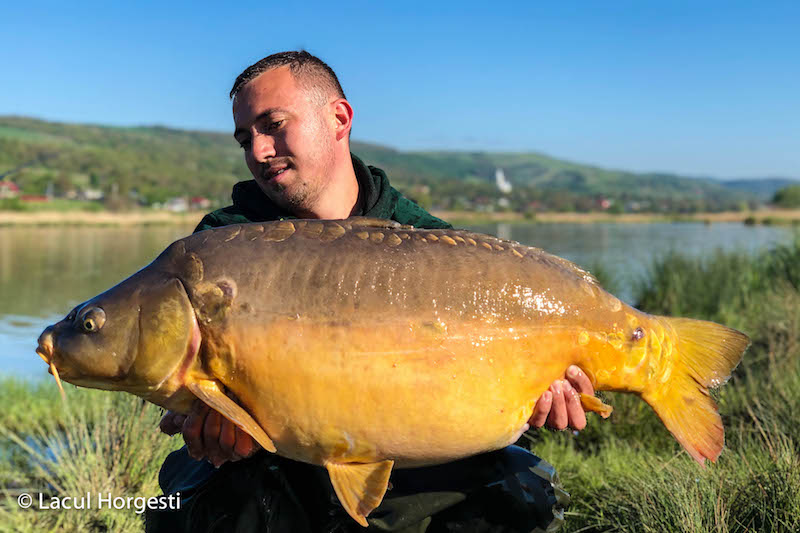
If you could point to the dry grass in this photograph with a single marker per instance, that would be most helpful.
(772, 215)
(104, 218)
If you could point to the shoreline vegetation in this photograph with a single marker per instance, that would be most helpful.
(98, 218)
(625, 474)
(769, 216)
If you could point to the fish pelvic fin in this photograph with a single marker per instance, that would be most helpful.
(210, 393)
(595, 405)
(705, 355)
(360, 486)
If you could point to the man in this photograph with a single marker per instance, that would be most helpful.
(293, 123)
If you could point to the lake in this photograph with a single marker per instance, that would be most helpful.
(45, 271)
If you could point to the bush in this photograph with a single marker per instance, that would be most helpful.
(787, 197)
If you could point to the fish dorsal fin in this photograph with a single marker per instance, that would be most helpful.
(372, 222)
(210, 393)
(360, 486)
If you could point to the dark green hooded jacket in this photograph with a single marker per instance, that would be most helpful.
(509, 490)
(378, 199)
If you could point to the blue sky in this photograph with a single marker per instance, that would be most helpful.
(693, 87)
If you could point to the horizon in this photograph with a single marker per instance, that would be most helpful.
(691, 89)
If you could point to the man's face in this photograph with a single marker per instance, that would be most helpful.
(288, 139)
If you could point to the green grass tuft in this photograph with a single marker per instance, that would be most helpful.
(98, 442)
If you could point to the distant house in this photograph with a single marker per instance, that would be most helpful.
(35, 198)
(90, 194)
(199, 202)
(177, 204)
(8, 189)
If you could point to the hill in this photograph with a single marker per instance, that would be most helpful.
(149, 165)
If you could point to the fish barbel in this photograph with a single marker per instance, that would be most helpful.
(363, 345)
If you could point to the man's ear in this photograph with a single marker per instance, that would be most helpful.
(343, 116)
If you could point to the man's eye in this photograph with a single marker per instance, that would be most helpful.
(244, 145)
(275, 125)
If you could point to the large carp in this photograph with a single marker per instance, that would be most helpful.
(361, 344)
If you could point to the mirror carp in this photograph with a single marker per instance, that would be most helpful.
(363, 345)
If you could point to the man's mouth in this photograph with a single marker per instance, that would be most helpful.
(272, 173)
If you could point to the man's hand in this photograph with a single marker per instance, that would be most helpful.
(208, 434)
(560, 407)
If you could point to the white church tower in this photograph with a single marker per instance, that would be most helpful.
(503, 185)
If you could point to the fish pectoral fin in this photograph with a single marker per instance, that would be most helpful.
(360, 486)
(595, 405)
(211, 394)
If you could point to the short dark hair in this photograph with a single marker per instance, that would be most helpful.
(310, 72)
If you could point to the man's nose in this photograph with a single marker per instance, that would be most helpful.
(263, 148)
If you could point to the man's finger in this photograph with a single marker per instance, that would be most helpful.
(227, 439)
(576, 417)
(193, 429)
(579, 380)
(558, 411)
(541, 410)
(211, 431)
(245, 445)
(171, 423)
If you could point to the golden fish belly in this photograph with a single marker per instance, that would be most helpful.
(415, 394)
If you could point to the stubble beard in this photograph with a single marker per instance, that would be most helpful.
(306, 193)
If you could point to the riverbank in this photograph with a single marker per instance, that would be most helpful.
(98, 218)
(762, 216)
(458, 218)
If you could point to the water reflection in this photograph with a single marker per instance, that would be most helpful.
(44, 272)
(49, 270)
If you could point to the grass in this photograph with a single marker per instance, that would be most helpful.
(98, 442)
(625, 474)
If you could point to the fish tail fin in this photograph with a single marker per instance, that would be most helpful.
(704, 356)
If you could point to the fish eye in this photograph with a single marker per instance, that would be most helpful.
(93, 320)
